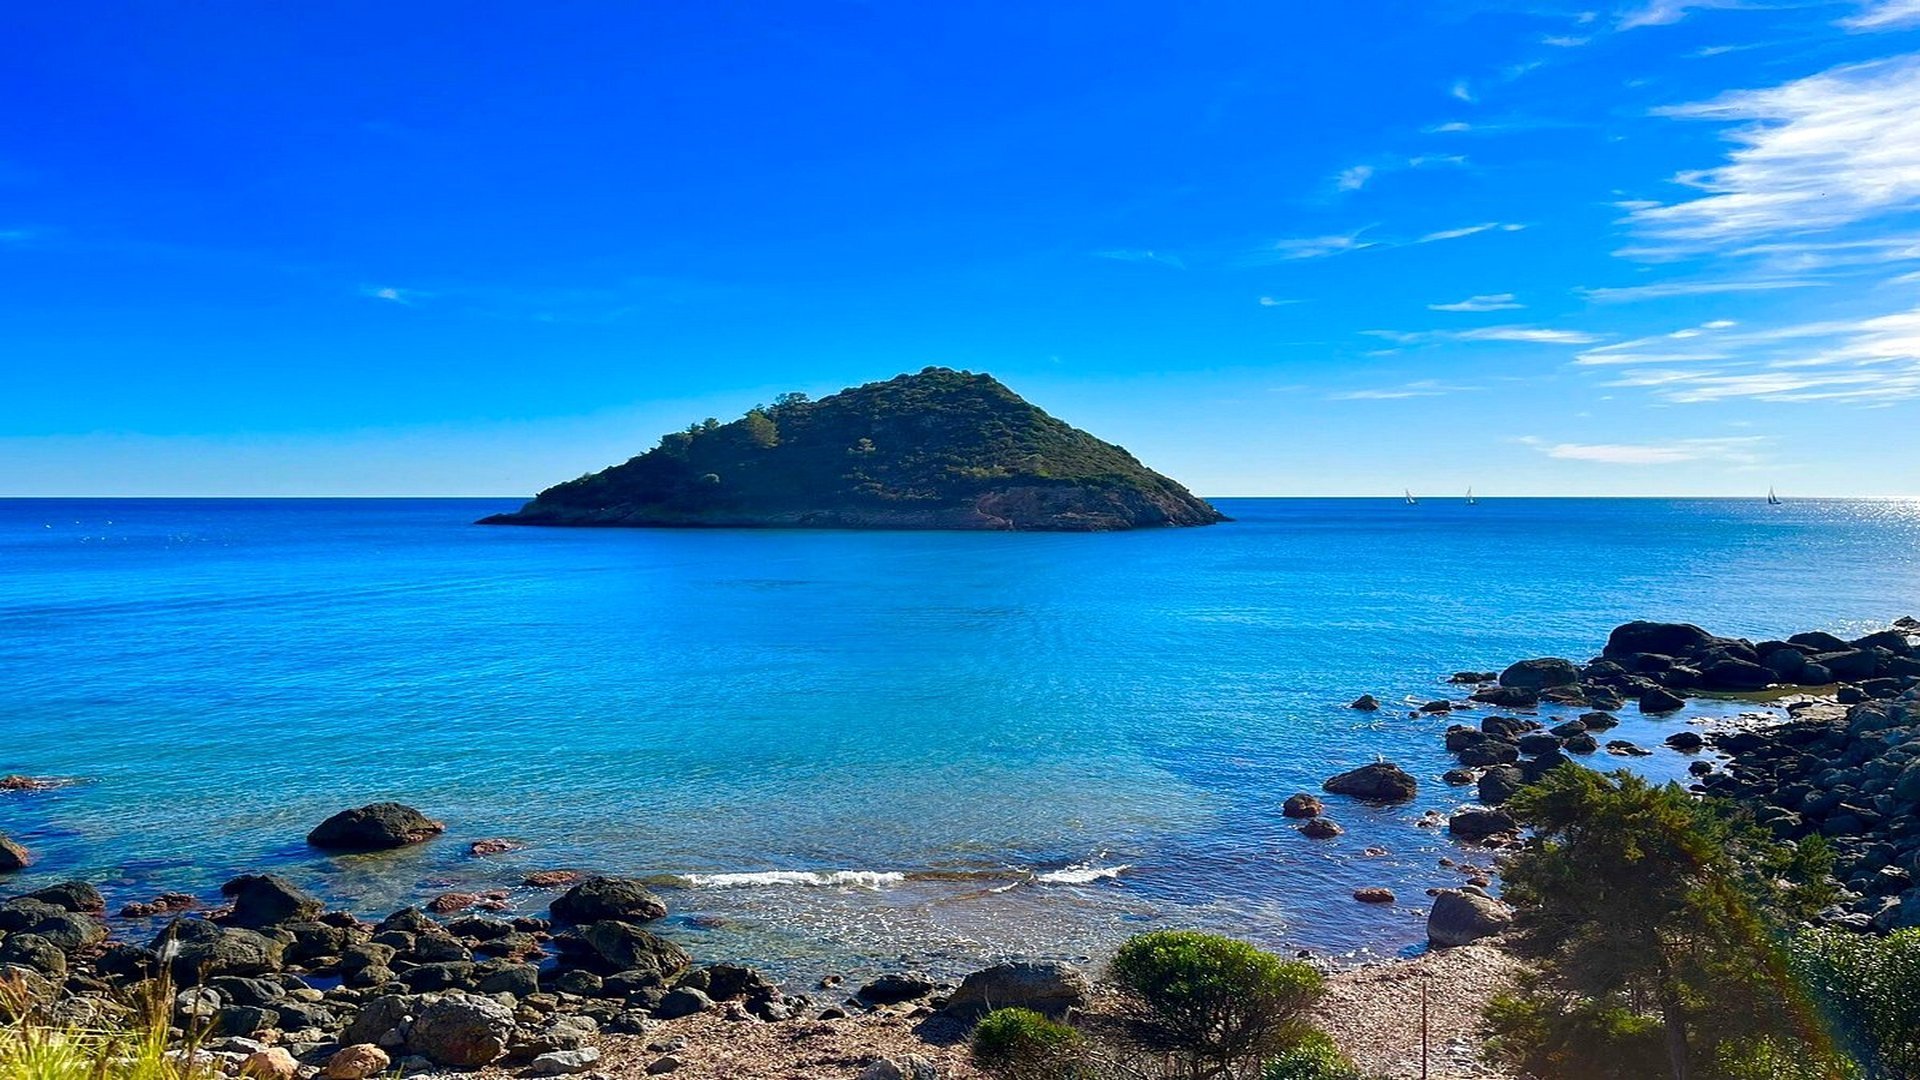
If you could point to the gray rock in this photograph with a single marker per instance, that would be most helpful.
(1461, 918)
(1660, 700)
(266, 899)
(682, 1001)
(1540, 674)
(374, 827)
(1478, 824)
(564, 1062)
(891, 989)
(599, 899)
(1380, 782)
(1049, 986)
(462, 1030)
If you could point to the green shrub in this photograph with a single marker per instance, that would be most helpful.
(1221, 1003)
(1574, 1040)
(1869, 990)
(1021, 1043)
(1313, 1058)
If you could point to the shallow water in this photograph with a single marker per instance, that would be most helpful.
(835, 749)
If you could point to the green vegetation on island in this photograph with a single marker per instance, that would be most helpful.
(942, 449)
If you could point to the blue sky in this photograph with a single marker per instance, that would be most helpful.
(1664, 247)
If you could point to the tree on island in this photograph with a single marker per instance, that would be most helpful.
(1652, 914)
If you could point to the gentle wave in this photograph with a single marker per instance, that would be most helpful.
(859, 879)
(1082, 874)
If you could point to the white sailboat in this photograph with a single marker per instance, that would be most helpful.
(1469, 496)
(1410, 499)
(1772, 499)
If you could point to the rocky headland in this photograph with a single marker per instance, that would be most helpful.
(941, 449)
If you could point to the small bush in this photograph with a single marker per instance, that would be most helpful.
(1220, 1002)
(1313, 1058)
(1579, 1040)
(1021, 1043)
(1869, 989)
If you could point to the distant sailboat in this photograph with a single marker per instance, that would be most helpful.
(1469, 496)
(1410, 499)
(1772, 499)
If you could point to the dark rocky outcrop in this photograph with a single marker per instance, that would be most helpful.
(602, 898)
(1381, 781)
(265, 899)
(375, 827)
(1302, 805)
(942, 449)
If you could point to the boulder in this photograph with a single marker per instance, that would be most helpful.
(1499, 784)
(682, 1001)
(1660, 700)
(1381, 781)
(461, 1030)
(1539, 742)
(1666, 639)
(1374, 894)
(1302, 805)
(268, 899)
(13, 856)
(1583, 743)
(1491, 751)
(34, 952)
(1540, 674)
(612, 946)
(374, 827)
(1461, 918)
(273, 1063)
(206, 951)
(1818, 641)
(1365, 703)
(1893, 641)
(1047, 986)
(600, 898)
(891, 989)
(361, 1061)
(1321, 828)
(1506, 697)
(75, 896)
(1686, 742)
(1849, 665)
(1478, 824)
(1731, 674)
(70, 931)
(565, 1062)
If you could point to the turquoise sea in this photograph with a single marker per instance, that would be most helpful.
(837, 750)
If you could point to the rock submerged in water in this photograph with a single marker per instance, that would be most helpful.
(1365, 703)
(1540, 674)
(374, 827)
(13, 856)
(599, 899)
(1382, 782)
(266, 899)
(1302, 805)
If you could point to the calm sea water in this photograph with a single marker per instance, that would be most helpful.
(837, 750)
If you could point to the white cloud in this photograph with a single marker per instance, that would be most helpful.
(391, 294)
(1488, 302)
(1467, 230)
(1319, 247)
(1270, 301)
(1668, 12)
(1732, 450)
(1422, 388)
(1529, 335)
(1449, 128)
(1884, 15)
(1562, 41)
(1819, 153)
(1461, 91)
(1869, 361)
(1138, 256)
(1667, 289)
(1353, 179)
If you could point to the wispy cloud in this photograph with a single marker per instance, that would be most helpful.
(1274, 301)
(392, 295)
(1668, 12)
(1731, 450)
(1884, 15)
(1869, 361)
(1353, 179)
(1819, 153)
(1133, 255)
(1460, 91)
(1419, 389)
(1666, 289)
(1488, 302)
(1319, 247)
(1563, 41)
(1528, 335)
(1451, 127)
(1468, 230)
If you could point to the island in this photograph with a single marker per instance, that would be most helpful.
(941, 449)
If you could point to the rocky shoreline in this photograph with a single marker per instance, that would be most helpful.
(273, 984)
